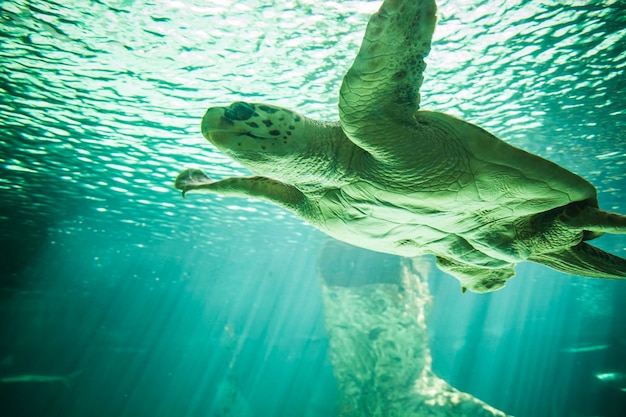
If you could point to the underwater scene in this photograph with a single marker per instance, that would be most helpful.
(119, 297)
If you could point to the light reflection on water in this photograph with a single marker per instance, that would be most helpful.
(128, 85)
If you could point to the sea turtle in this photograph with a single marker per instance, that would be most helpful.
(396, 179)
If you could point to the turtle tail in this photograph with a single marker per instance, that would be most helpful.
(584, 260)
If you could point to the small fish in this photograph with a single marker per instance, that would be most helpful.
(611, 376)
(34, 378)
(582, 348)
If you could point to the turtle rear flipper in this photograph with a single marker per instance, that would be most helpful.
(475, 278)
(587, 217)
(584, 260)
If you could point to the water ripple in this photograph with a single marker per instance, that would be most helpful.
(100, 102)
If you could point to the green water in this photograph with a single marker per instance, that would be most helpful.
(176, 306)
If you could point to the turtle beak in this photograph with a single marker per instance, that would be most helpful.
(211, 122)
(217, 128)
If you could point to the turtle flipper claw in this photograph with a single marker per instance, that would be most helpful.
(191, 179)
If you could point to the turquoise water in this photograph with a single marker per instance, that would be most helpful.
(174, 306)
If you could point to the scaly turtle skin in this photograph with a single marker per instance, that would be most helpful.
(393, 178)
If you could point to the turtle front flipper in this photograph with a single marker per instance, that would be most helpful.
(386, 76)
(194, 180)
(584, 260)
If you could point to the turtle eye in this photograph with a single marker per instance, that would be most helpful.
(239, 111)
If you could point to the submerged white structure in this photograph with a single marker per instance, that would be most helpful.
(376, 322)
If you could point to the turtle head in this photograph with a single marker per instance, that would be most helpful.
(265, 139)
